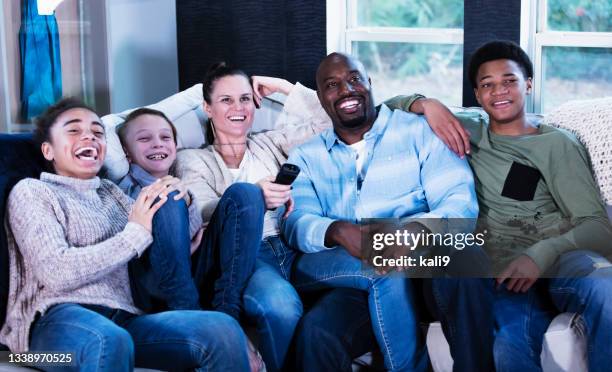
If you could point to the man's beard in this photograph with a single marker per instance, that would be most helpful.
(354, 122)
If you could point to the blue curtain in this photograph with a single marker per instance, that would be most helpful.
(41, 70)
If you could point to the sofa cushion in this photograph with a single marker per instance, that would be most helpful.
(19, 158)
(591, 122)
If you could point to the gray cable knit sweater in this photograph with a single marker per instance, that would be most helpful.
(69, 241)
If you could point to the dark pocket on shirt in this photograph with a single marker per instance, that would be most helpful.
(521, 182)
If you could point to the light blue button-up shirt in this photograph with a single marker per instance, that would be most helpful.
(408, 173)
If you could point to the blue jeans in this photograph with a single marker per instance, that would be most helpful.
(225, 260)
(391, 303)
(103, 339)
(335, 330)
(341, 325)
(161, 277)
(583, 285)
(272, 302)
(221, 266)
(464, 306)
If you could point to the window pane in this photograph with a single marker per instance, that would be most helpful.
(400, 68)
(410, 13)
(575, 73)
(580, 15)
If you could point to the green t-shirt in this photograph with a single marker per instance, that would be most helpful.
(536, 194)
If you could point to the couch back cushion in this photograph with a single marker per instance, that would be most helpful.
(19, 158)
(591, 122)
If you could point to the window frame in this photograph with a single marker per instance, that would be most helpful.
(535, 36)
(6, 125)
(343, 30)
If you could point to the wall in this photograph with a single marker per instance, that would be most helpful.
(142, 52)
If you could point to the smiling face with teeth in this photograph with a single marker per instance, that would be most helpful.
(77, 144)
(149, 142)
(231, 108)
(501, 88)
(344, 91)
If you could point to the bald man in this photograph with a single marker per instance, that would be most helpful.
(382, 164)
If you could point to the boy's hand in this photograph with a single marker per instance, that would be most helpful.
(265, 85)
(175, 184)
(145, 206)
(522, 272)
(444, 124)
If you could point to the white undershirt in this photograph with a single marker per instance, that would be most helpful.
(362, 154)
(251, 172)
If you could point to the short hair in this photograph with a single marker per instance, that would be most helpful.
(215, 72)
(122, 128)
(499, 49)
(44, 122)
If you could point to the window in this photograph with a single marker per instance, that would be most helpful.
(570, 43)
(407, 46)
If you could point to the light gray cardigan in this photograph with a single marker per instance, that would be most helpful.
(69, 240)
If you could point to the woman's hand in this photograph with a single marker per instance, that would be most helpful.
(145, 206)
(289, 205)
(265, 85)
(444, 124)
(196, 240)
(275, 194)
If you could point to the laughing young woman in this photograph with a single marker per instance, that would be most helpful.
(71, 235)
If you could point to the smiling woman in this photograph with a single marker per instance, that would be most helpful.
(237, 159)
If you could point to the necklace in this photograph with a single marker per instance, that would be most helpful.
(231, 144)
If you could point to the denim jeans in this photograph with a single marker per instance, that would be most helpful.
(462, 304)
(272, 302)
(335, 330)
(221, 266)
(391, 303)
(225, 260)
(103, 339)
(583, 285)
(161, 277)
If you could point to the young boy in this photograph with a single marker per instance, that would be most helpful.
(162, 276)
(163, 273)
(542, 210)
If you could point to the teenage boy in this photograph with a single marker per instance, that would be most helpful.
(382, 164)
(542, 210)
